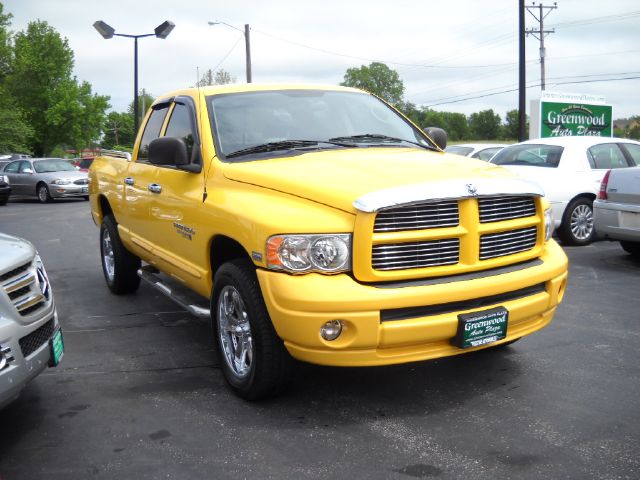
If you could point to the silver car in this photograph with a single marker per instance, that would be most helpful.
(30, 335)
(46, 179)
(617, 209)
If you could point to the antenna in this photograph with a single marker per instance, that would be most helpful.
(204, 186)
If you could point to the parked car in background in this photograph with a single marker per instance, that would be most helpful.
(46, 179)
(569, 170)
(483, 151)
(617, 209)
(5, 189)
(84, 163)
(30, 334)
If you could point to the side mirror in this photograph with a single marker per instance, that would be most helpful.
(168, 151)
(438, 135)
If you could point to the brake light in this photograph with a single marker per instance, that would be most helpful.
(602, 195)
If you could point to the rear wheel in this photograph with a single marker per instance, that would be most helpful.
(577, 222)
(632, 248)
(119, 266)
(253, 358)
(43, 193)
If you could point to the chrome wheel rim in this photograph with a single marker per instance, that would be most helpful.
(42, 194)
(108, 259)
(582, 222)
(234, 332)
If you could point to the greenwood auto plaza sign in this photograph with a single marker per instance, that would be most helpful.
(570, 114)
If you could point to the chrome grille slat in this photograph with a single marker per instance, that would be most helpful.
(507, 243)
(417, 217)
(416, 254)
(23, 289)
(497, 209)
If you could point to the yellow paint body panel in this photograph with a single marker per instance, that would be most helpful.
(314, 193)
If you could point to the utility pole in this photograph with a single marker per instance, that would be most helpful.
(539, 34)
(522, 91)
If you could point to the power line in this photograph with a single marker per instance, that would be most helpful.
(530, 86)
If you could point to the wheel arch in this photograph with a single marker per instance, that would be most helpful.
(588, 195)
(223, 249)
(104, 209)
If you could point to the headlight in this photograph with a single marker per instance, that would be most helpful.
(309, 253)
(4, 178)
(548, 224)
(61, 181)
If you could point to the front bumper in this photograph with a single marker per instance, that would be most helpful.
(66, 191)
(5, 191)
(300, 305)
(15, 376)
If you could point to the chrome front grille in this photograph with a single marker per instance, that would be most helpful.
(418, 216)
(507, 243)
(400, 256)
(455, 234)
(27, 287)
(498, 209)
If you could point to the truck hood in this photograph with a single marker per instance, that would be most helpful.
(357, 179)
(14, 252)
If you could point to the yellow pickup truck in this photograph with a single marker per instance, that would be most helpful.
(319, 224)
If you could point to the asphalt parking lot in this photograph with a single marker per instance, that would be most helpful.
(139, 393)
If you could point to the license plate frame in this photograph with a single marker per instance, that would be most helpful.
(481, 328)
(56, 348)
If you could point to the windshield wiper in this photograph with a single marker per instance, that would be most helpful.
(283, 145)
(377, 138)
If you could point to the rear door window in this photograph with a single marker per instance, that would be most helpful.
(633, 150)
(606, 156)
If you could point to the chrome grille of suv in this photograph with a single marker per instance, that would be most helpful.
(418, 216)
(433, 253)
(23, 287)
(506, 243)
(497, 209)
(462, 232)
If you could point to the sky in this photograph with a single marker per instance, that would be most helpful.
(458, 56)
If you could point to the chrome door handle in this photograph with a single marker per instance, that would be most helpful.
(129, 181)
(155, 188)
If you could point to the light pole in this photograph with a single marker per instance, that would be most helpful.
(161, 31)
(247, 44)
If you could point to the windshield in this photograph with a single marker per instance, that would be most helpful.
(531, 155)
(53, 165)
(332, 119)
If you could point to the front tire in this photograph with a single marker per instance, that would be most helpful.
(253, 358)
(577, 222)
(43, 194)
(119, 266)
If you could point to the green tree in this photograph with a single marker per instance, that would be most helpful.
(457, 126)
(14, 132)
(5, 43)
(378, 79)
(511, 127)
(118, 130)
(58, 109)
(485, 125)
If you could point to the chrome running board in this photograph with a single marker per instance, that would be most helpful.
(185, 298)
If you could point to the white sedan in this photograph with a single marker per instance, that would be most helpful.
(569, 170)
(483, 151)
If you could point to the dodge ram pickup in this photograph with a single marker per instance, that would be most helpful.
(319, 224)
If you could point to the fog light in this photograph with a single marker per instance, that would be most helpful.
(331, 330)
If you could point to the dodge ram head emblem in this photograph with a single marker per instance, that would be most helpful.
(472, 190)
